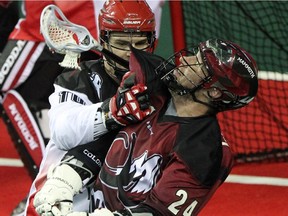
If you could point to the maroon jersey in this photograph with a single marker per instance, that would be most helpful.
(165, 165)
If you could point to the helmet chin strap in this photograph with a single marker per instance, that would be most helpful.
(118, 72)
(213, 108)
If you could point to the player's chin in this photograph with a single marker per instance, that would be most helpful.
(120, 67)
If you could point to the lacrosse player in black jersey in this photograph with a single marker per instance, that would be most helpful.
(75, 114)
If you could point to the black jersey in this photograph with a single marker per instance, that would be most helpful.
(92, 80)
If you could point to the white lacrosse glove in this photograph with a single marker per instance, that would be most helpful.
(56, 196)
(97, 212)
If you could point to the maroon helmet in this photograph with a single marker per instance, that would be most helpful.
(230, 68)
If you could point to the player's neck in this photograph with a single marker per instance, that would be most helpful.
(186, 107)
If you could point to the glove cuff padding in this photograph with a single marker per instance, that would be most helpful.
(56, 195)
(102, 212)
(97, 212)
(66, 177)
(109, 122)
(107, 212)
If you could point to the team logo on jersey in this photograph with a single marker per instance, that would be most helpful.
(97, 81)
(122, 143)
(149, 127)
(138, 175)
(143, 173)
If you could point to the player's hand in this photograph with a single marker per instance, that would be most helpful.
(97, 212)
(56, 195)
(130, 104)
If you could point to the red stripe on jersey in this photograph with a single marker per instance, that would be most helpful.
(24, 64)
(25, 125)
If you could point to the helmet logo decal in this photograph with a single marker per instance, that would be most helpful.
(131, 22)
(251, 72)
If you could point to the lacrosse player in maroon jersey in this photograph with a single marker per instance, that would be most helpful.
(173, 161)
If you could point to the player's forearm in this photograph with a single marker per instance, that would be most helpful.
(73, 127)
(73, 123)
(106, 212)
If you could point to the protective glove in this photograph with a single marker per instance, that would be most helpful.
(97, 212)
(56, 196)
(130, 104)
(104, 212)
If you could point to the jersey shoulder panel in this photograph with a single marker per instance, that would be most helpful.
(199, 145)
(92, 80)
(78, 80)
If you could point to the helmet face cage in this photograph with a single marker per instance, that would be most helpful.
(135, 18)
(125, 46)
(172, 66)
(149, 45)
(230, 69)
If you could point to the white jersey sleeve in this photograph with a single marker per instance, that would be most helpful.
(73, 118)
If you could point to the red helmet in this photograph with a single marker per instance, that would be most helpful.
(230, 68)
(126, 16)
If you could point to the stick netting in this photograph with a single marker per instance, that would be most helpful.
(59, 36)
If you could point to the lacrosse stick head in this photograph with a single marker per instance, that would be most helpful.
(60, 34)
(65, 37)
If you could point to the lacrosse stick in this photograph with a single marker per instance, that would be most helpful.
(65, 37)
